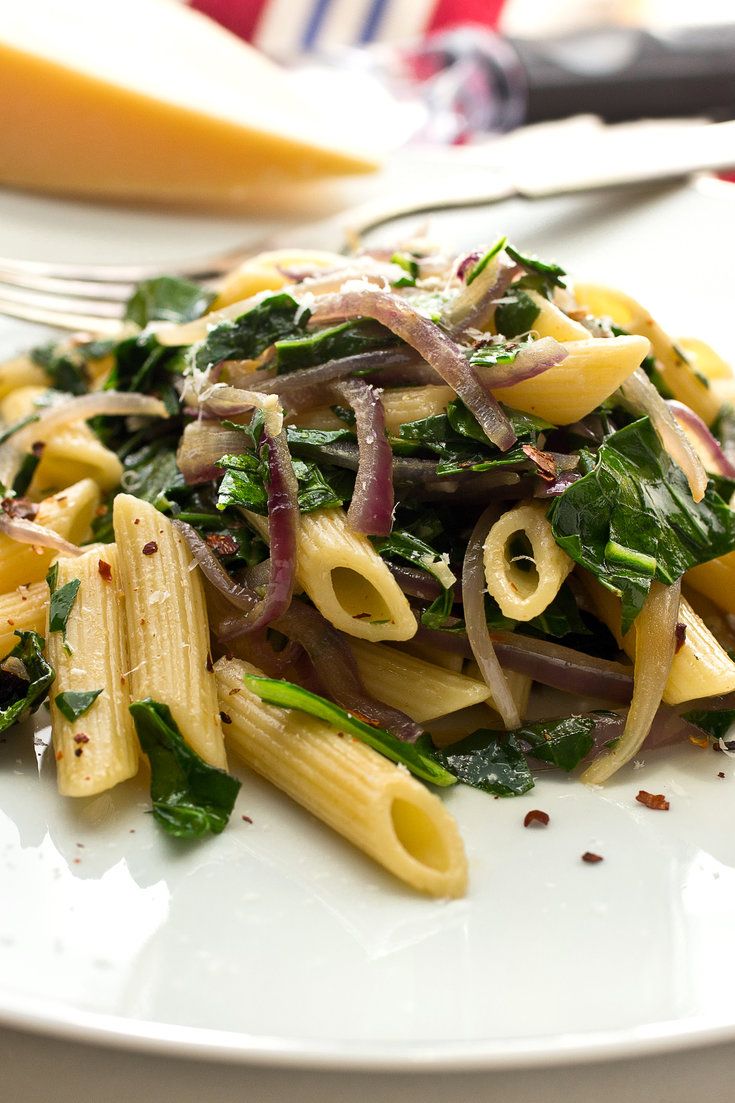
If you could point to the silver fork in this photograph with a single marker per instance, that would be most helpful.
(92, 297)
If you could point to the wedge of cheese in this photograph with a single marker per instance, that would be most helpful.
(147, 99)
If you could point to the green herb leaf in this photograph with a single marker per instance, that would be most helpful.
(274, 319)
(563, 743)
(516, 314)
(26, 471)
(409, 265)
(65, 372)
(551, 273)
(333, 343)
(491, 761)
(418, 757)
(10, 431)
(716, 723)
(62, 602)
(74, 703)
(190, 797)
(167, 299)
(485, 259)
(19, 696)
(633, 519)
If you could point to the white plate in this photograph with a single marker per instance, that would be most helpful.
(278, 943)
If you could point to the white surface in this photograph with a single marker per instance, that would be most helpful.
(278, 943)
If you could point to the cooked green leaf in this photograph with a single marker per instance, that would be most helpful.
(10, 430)
(491, 761)
(333, 343)
(64, 370)
(563, 743)
(715, 722)
(190, 797)
(548, 271)
(26, 471)
(276, 318)
(74, 703)
(632, 518)
(498, 350)
(168, 299)
(418, 757)
(516, 313)
(62, 602)
(485, 259)
(21, 695)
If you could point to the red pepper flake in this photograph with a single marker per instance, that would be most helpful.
(225, 718)
(233, 692)
(150, 548)
(246, 819)
(721, 774)
(536, 816)
(716, 747)
(77, 861)
(11, 622)
(79, 752)
(105, 569)
(59, 756)
(210, 665)
(37, 448)
(19, 507)
(680, 637)
(136, 521)
(544, 461)
(221, 543)
(588, 856)
(80, 737)
(101, 511)
(657, 801)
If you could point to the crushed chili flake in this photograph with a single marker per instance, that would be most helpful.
(588, 856)
(11, 622)
(536, 816)
(37, 449)
(81, 737)
(221, 543)
(210, 666)
(105, 569)
(721, 774)
(102, 511)
(699, 740)
(150, 548)
(59, 756)
(657, 801)
(19, 507)
(680, 637)
(233, 692)
(225, 718)
(79, 752)
(247, 819)
(136, 521)
(545, 462)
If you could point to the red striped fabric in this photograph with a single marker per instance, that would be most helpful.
(448, 13)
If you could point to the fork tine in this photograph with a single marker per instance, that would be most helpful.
(60, 285)
(59, 319)
(199, 269)
(69, 304)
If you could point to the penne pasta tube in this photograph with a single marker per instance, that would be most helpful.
(593, 368)
(435, 655)
(20, 372)
(99, 748)
(70, 453)
(69, 513)
(524, 582)
(168, 631)
(703, 358)
(369, 800)
(268, 272)
(420, 689)
(413, 404)
(22, 610)
(678, 374)
(346, 578)
(700, 668)
(716, 580)
(553, 322)
(518, 684)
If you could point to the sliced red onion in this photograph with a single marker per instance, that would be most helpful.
(532, 360)
(371, 508)
(28, 532)
(202, 444)
(639, 393)
(561, 483)
(563, 668)
(473, 598)
(225, 401)
(414, 582)
(83, 407)
(474, 305)
(655, 629)
(434, 345)
(302, 390)
(283, 515)
(708, 448)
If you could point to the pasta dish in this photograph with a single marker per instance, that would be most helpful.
(375, 525)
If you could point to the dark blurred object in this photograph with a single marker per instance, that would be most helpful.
(622, 73)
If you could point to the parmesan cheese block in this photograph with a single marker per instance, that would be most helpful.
(147, 99)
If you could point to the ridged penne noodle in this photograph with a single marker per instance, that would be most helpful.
(420, 689)
(167, 624)
(20, 372)
(346, 578)
(518, 684)
(524, 584)
(430, 654)
(413, 404)
(268, 272)
(703, 358)
(99, 748)
(71, 452)
(716, 580)
(680, 377)
(22, 610)
(592, 370)
(553, 322)
(70, 513)
(701, 667)
(354, 790)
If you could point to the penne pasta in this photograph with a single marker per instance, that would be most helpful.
(167, 624)
(523, 581)
(373, 803)
(69, 513)
(21, 371)
(22, 610)
(413, 404)
(518, 684)
(421, 689)
(99, 748)
(716, 580)
(269, 272)
(593, 368)
(553, 322)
